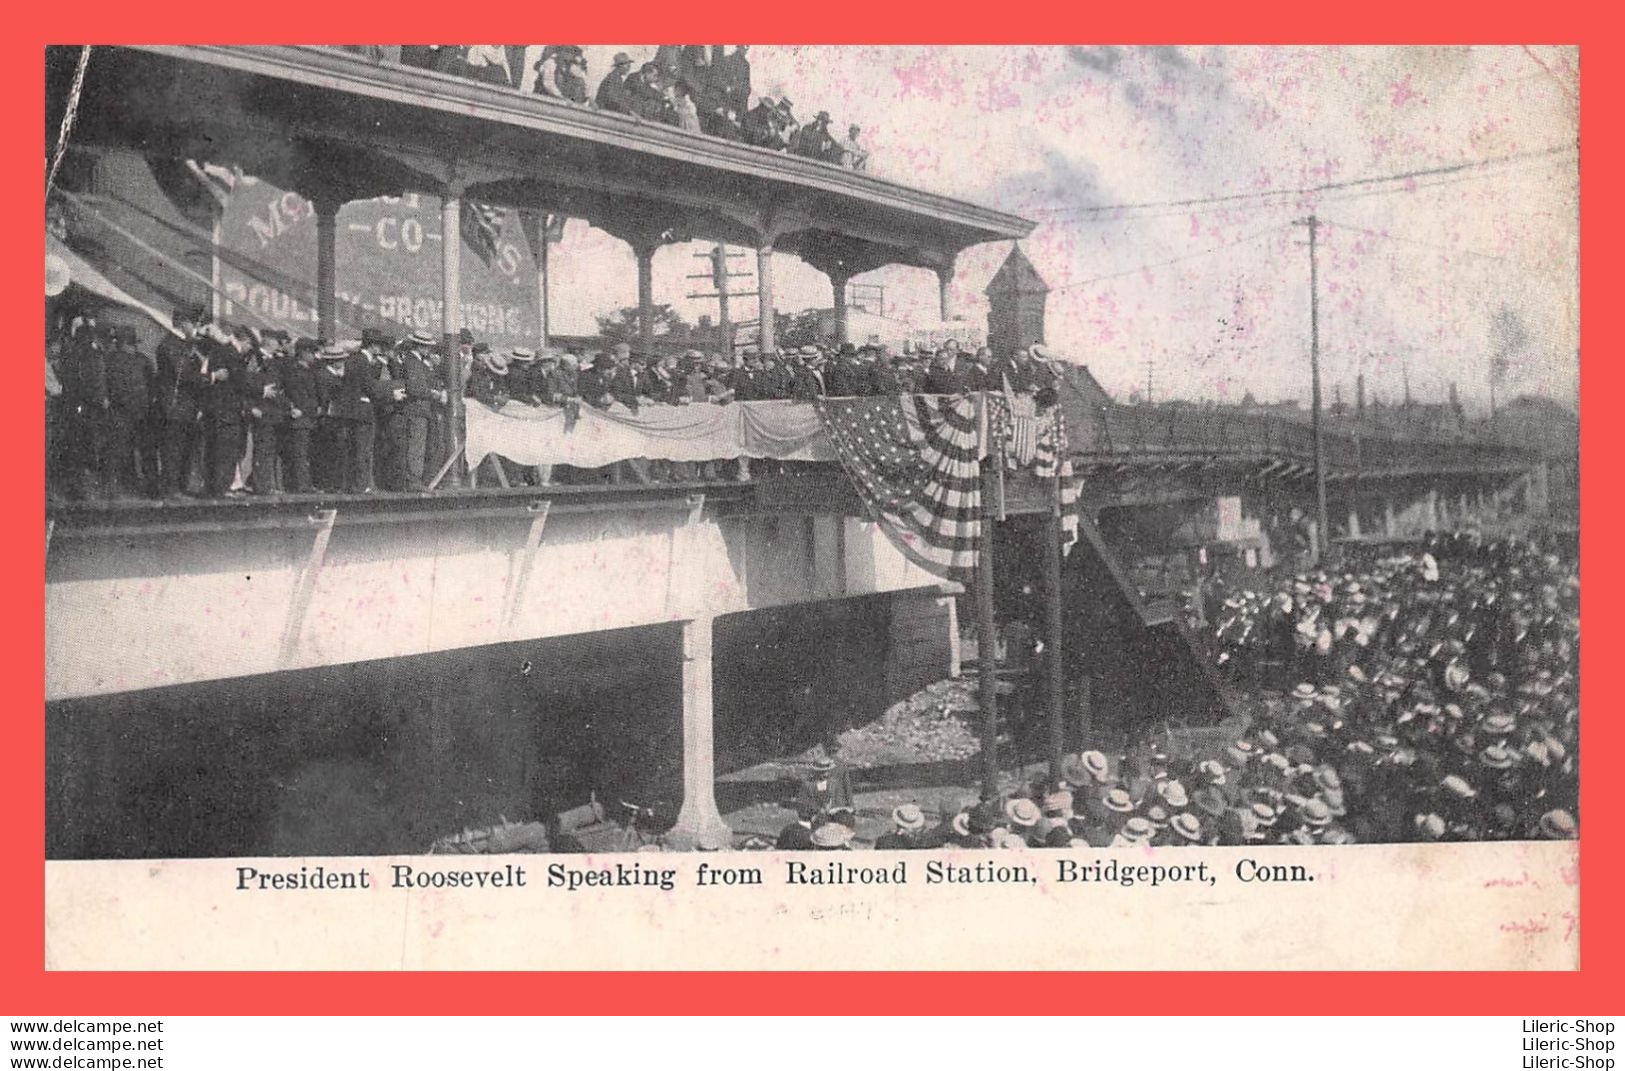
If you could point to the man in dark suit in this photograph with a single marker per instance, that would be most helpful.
(762, 126)
(646, 98)
(612, 96)
(733, 77)
(222, 407)
(950, 373)
(174, 411)
(128, 399)
(296, 376)
(421, 384)
(267, 411)
(345, 388)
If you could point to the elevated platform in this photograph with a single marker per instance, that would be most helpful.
(337, 127)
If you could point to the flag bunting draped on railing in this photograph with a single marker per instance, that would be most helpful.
(915, 461)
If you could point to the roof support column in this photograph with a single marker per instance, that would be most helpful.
(451, 256)
(646, 296)
(838, 281)
(764, 300)
(945, 301)
(327, 218)
(699, 823)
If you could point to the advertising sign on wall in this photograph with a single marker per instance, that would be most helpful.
(388, 265)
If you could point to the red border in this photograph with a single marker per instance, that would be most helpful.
(28, 989)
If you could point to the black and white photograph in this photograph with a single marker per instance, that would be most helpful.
(578, 450)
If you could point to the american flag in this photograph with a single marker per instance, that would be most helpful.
(482, 228)
(915, 460)
(1035, 439)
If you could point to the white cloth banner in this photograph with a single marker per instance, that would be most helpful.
(703, 431)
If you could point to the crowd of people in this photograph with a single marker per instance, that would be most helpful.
(701, 88)
(1434, 698)
(226, 410)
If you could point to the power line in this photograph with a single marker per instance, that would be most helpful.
(1175, 260)
(1306, 191)
(1290, 201)
(1412, 241)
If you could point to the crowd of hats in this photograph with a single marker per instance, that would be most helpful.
(1437, 700)
(701, 88)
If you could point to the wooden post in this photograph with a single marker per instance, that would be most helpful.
(451, 257)
(986, 646)
(646, 297)
(327, 215)
(767, 330)
(1052, 637)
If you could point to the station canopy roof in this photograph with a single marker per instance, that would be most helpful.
(336, 126)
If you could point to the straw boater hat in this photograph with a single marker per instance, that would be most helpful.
(909, 817)
(1314, 812)
(961, 823)
(1023, 812)
(1173, 794)
(1213, 770)
(494, 363)
(1334, 801)
(1095, 765)
(1239, 751)
(1326, 777)
(420, 338)
(1118, 800)
(1138, 829)
(831, 835)
(1497, 724)
(333, 351)
(1157, 817)
(524, 355)
(1458, 786)
(1558, 825)
(1059, 804)
(1187, 825)
(1263, 814)
(1304, 690)
(1430, 826)
(1497, 757)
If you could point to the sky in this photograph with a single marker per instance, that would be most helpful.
(1440, 278)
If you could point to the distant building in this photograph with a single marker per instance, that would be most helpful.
(1016, 297)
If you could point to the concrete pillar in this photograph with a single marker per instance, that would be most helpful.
(764, 300)
(646, 296)
(699, 823)
(838, 282)
(1466, 514)
(327, 218)
(1354, 523)
(945, 301)
(1390, 527)
(1431, 514)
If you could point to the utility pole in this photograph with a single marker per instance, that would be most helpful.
(1150, 377)
(987, 658)
(1313, 223)
(719, 276)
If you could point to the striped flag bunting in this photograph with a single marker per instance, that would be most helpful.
(915, 461)
(1049, 456)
